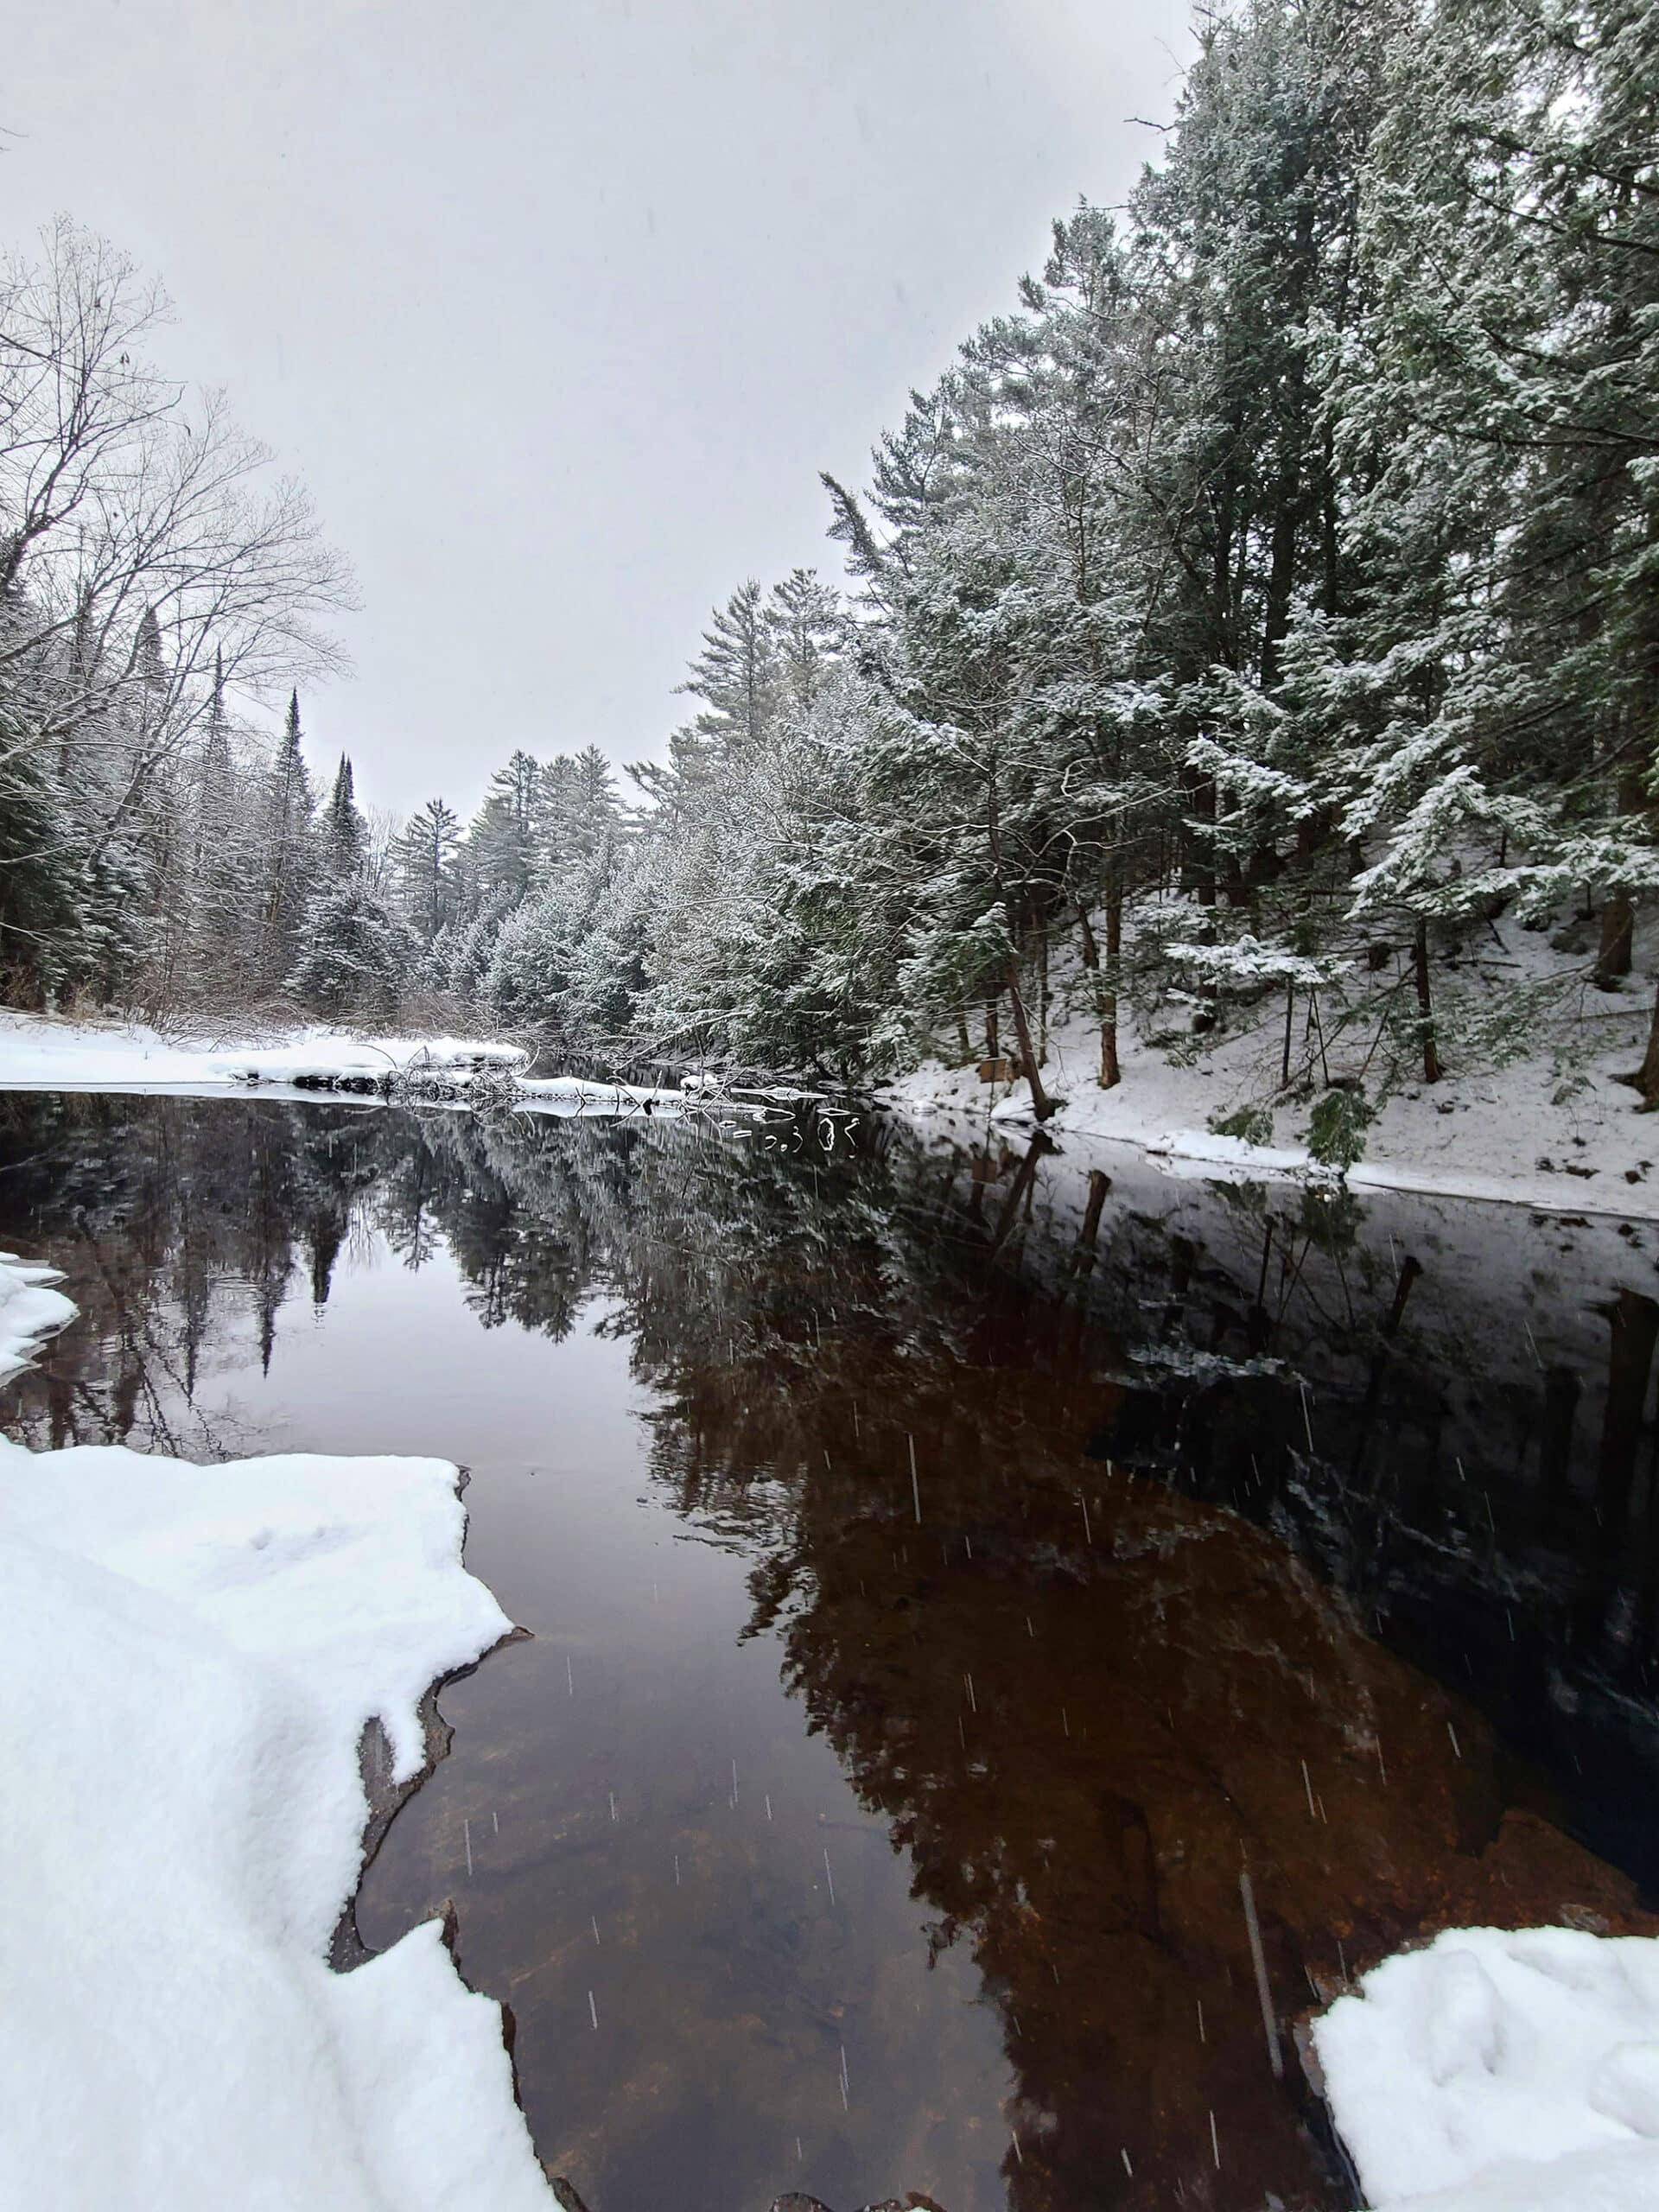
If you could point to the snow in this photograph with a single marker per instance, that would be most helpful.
(41, 1053)
(46, 1053)
(189, 1657)
(28, 1311)
(1499, 2072)
(570, 1094)
(1541, 1132)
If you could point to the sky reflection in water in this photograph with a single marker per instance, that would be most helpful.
(1254, 1530)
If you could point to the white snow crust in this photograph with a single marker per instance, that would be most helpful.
(187, 1658)
(44, 1052)
(1502, 2072)
(29, 1309)
(41, 1053)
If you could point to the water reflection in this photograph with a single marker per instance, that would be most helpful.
(895, 1807)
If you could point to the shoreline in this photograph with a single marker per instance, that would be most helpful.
(300, 1616)
(1200, 1156)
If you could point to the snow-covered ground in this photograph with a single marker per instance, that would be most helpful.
(41, 1053)
(1496, 2072)
(1542, 1130)
(44, 1052)
(188, 1658)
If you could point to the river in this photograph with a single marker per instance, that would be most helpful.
(949, 1571)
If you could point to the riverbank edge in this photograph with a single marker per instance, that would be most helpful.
(33, 1312)
(1593, 1153)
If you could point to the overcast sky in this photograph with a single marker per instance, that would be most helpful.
(559, 306)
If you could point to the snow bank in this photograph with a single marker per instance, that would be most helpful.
(1497, 2072)
(40, 1053)
(85, 1056)
(28, 1311)
(190, 1656)
(1528, 1133)
(328, 1054)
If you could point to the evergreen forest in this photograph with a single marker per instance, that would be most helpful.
(1260, 620)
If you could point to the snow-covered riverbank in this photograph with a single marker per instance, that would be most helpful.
(1497, 2072)
(190, 1657)
(45, 1052)
(1531, 1133)
(41, 1053)
(1528, 1133)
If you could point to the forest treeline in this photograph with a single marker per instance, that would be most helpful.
(1258, 613)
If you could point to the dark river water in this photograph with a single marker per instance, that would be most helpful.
(948, 1572)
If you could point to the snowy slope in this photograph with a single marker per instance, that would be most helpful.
(189, 1657)
(1537, 1131)
(1499, 2072)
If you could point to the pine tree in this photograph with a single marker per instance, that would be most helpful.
(736, 674)
(353, 954)
(501, 841)
(286, 841)
(344, 833)
(426, 849)
(220, 859)
(805, 618)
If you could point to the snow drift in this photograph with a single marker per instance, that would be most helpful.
(29, 1309)
(190, 1656)
(45, 1052)
(1502, 2072)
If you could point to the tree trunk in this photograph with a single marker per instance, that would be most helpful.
(992, 1047)
(1025, 1176)
(1042, 1104)
(1204, 809)
(1042, 958)
(1630, 1367)
(1618, 934)
(1432, 1070)
(1619, 915)
(1105, 997)
(1646, 1077)
(1111, 1071)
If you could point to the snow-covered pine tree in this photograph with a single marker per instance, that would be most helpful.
(736, 674)
(501, 839)
(425, 851)
(805, 618)
(353, 954)
(344, 832)
(286, 851)
(222, 922)
(1479, 711)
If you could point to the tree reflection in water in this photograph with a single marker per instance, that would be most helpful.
(1255, 1531)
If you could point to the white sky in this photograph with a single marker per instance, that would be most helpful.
(559, 306)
